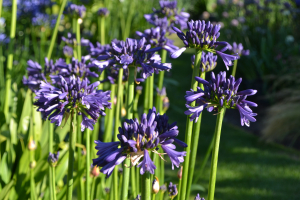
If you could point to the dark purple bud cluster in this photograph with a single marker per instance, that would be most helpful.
(77, 11)
(68, 51)
(198, 197)
(157, 38)
(208, 61)
(103, 12)
(72, 95)
(238, 49)
(136, 140)
(41, 19)
(203, 36)
(172, 190)
(221, 92)
(70, 39)
(167, 16)
(53, 158)
(98, 49)
(133, 53)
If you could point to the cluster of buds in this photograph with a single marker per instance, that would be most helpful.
(53, 159)
(103, 12)
(208, 61)
(172, 190)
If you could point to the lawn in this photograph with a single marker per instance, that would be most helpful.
(248, 168)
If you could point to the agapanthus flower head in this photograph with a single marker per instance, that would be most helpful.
(4, 38)
(139, 89)
(172, 190)
(53, 158)
(218, 93)
(136, 140)
(79, 68)
(138, 197)
(77, 11)
(203, 36)
(157, 38)
(168, 10)
(238, 49)
(98, 49)
(68, 51)
(208, 61)
(163, 188)
(133, 53)
(103, 12)
(198, 197)
(70, 39)
(72, 95)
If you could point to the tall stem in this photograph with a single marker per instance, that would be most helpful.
(146, 95)
(234, 68)
(53, 183)
(130, 97)
(52, 190)
(160, 81)
(117, 124)
(10, 60)
(146, 187)
(72, 141)
(151, 88)
(213, 168)
(80, 164)
(196, 134)
(110, 116)
(54, 34)
(78, 39)
(133, 181)
(88, 165)
(102, 30)
(189, 129)
(1, 1)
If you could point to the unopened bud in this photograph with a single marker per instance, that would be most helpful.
(198, 197)
(53, 159)
(179, 174)
(166, 103)
(83, 152)
(163, 188)
(115, 100)
(120, 170)
(155, 185)
(107, 190)
(95, 171)
(139, 89)
(31, 144)
(138, 197)
(32, 164)
(123, 112)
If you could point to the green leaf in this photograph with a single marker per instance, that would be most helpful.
(5, 191)
(2, 118)
(197, 187)
(5, 176)
(26, 114)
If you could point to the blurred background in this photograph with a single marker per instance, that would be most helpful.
(257, 162)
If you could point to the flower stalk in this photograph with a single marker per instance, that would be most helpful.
(146, 187)
(214, 161)
(110, 116)
(161, 81)
(189, 129)
(88, 165)
(234, 68)
(51, 172)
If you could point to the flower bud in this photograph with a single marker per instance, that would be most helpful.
(31, 144)
(138, 197)
(163, 188)
(53, 159)
(155, 185)
(83, 152)
(32, 164)
(179, 174)
(198, 197)
(120, 170)
(107, 190)
(123, 112)
(95, 171)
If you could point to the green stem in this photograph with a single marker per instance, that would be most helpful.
(2, 85)
(78, 40)
(130, 97)
(88, 165)
(10, 61)
(93, 188)
(51, 175)
(110, 116)
(42, 46)
(31, 154)
(189, 129)
(153, 196)
(146, 188)
(72, 141)
(53, 182)
(54, 34)
(213, 168)
(179, 188)
(1, 1)
(34, 43)
(161, 81)
(133, 181)
(137, 176)
(196, 134)
(135, 105)
(102, 19)
(234, 68)
(80, 165)
(146, 95)
(151, 88)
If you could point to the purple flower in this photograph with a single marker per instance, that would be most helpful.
(137, 139)
(199, 198)
(208, 61)
(53, 158)
(72, 95)
(157, 38)
(68, 51)
(70, 39)
(103, 12)
(98, 49)
(203, 36)
(172, 190)
(238, 49)
(133, 53)
(221, 92)
(77, 11)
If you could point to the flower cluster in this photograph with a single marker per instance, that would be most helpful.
(103, 12)
(137, 140)
(77, 11)
(53, 158)
(68, 51)
(98, 49)
(133, 53)
(41, 19)
(157, 38)
(167, 16)
(198, 197)
(203, 36)
(208, 61)
(221, 92)
(238, 49)
(72, 95)
(172, 190)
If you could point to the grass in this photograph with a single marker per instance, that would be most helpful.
(248, 168)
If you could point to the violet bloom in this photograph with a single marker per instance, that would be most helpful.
(77, 11)
(208, 61)
(157, 38)
(137, 140)
(41, 19)
(133, 53)
(72, 95)
(53, 158)
(203, 36)
(238, 49)
(103, 12)
(70, 39)
(172, 190)
(68, 51)
(221, 92)
(169, 11)
(199, 198)
(98, 49)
